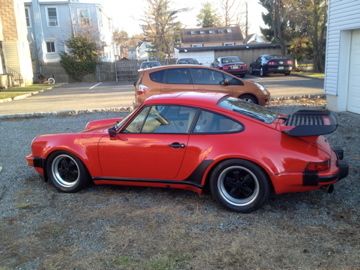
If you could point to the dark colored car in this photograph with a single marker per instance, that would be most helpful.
(232, 65)
(266, 64)
(187, 61)
(149, 64)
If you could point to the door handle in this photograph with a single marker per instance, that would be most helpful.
(177, 145)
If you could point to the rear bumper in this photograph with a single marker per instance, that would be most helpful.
(276, 70)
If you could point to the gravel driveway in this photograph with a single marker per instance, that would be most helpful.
(106, 227)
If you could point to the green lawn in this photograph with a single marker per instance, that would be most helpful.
(310, 74)
(17, 91)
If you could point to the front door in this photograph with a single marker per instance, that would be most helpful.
(152, 146)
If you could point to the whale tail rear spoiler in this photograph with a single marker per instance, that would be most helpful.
(310, 123)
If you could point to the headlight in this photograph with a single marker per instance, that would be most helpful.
(261, 87)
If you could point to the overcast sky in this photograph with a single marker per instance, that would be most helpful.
(127, 14)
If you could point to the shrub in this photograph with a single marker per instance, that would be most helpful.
(82, 57)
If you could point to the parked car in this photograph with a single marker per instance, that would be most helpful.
(191, 141)
(149, 64)
(231, 64)
(189, 61)
(266, 64)
(196, 78)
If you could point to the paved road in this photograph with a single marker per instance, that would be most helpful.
(280, 85)
(84, 96)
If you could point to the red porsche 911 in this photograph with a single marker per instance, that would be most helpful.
(240, 151)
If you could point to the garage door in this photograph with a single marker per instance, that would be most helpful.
(354, 74)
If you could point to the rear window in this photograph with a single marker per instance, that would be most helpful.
(249, 109)
(230, 59)
(157, 76)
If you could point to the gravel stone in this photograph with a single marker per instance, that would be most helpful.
(106, 227)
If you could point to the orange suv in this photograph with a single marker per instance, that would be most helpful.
(175, 78)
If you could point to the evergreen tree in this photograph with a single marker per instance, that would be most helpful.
(207, 16)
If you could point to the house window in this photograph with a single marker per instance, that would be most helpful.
(196, 45)
(202, 32)
(50, 46)
(211, 31)
(27, 17)
(83, 16)
(228, 30)
(51, 15)
(229, 44)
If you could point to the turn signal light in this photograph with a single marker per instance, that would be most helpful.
(318, 166)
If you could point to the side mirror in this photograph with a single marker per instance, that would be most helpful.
(112, 132)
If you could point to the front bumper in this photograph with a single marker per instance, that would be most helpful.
(34, 161)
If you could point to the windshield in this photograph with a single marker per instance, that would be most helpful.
(231, 59)
(119, 124)
(249, 109)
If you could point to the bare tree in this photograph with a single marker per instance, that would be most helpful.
(229, 7)
(161, 27)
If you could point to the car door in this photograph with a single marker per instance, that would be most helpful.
(175, 79)
(151, 146)
(208, 80)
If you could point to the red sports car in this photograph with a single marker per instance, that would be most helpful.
(188, 140)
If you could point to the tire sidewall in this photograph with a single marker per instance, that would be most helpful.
(83, 178)
(264, 187)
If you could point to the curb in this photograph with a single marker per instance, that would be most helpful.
(306, 76)
(310, 96)
(23, 96)
(64, 113)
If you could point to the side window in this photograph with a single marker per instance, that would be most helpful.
(206, 76)
(215, 123)
(169, 119)
(157, 76)
(177, 76)
(233, 81)
(136, 124)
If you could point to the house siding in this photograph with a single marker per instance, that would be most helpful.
(343, 16)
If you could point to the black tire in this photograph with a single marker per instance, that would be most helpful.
(249, 98)
(242, 75)
(287, 73)
(251, 70)
(66, 172)
(239, 185)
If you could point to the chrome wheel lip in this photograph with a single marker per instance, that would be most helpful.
(230, 199)
(57, 175)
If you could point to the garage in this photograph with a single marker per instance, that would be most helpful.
(354, 74)
(205, 58)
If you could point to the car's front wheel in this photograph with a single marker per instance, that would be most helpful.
(66, 172)
(239, 185)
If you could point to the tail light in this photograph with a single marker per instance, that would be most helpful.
(289, 62)
(142, 89)
(272, 63)
(318, 166)
(226, 67)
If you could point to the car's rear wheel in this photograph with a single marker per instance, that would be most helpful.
(249, 98)
(66, 172)
(251, 71)
(239, 185)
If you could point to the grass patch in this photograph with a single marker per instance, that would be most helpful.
(17, 91)
(310, 74)
(29, 88)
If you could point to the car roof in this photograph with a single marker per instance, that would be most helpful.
(177, 66)
(187, 98)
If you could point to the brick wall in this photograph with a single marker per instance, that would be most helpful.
(7, 14)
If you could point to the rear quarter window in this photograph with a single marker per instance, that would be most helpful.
(157, 76)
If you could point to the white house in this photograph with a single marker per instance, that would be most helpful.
(342, 68)
(143, 51)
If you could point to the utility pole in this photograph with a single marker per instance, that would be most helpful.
(247, 20)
